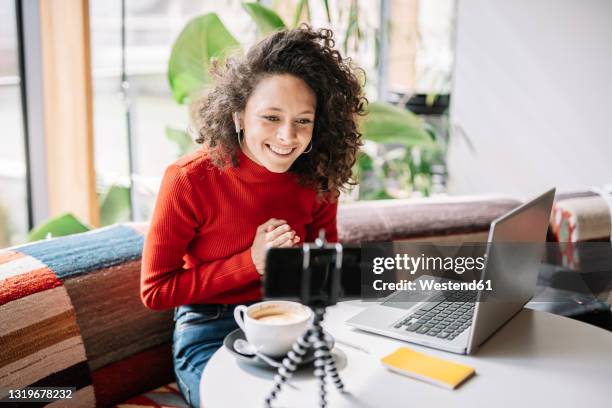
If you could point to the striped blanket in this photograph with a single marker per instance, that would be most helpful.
(580, 222)
(70, 315)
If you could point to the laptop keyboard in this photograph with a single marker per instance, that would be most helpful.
(444, 316)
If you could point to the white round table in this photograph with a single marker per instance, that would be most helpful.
(536, 360)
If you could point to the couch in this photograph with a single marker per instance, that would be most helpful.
(71, 314)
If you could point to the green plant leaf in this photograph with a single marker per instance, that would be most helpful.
(364, 162)
(115, 205)
(203, 39)
(385, 123)
(352, 26)
(430, 98)
(299, 8)
(266, 19)
(184, 142)
(65, 224)
(379, 194)
(327, 13)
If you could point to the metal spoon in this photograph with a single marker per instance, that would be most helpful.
(244, 347)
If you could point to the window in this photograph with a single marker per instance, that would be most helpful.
(13, 182)
(150, 30)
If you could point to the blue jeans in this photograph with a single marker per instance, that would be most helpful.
(199, 331)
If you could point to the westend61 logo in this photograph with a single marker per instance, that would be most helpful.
(430, 285)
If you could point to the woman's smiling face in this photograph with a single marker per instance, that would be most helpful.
(278, 121)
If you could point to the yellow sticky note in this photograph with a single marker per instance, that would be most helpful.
(427, 368)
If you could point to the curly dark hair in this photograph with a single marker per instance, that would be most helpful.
(307, 54)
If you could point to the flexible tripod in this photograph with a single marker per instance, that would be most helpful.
(316, 339)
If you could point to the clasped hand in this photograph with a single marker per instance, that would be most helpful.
(274, 233)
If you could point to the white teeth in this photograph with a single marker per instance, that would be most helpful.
(280, 150)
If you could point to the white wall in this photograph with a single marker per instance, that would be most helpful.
(532, 95)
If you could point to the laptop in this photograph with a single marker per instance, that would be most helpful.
(457, 321)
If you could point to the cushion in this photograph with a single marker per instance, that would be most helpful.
(462, 218)
(581, 224)
(582, 217)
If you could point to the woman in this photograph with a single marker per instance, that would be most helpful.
(280, 138)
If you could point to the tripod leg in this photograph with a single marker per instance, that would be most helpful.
(331, 369)
(318, 341)
(290, 364)
(319, 364)
(325, 354)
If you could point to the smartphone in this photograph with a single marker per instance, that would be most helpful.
(289, 277)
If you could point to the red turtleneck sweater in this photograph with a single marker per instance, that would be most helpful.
(198, 247)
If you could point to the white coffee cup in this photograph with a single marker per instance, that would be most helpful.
(273, 326)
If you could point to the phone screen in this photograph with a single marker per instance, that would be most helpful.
(284, 274)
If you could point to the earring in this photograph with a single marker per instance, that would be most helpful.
(309, 150)
(239, 135)
(236, 117)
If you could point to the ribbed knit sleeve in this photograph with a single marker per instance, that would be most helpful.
(324, 216)
(165, 282)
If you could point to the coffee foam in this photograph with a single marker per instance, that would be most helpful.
(278, 315)
(280, 318)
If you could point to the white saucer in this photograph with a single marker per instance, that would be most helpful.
(229, 340)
